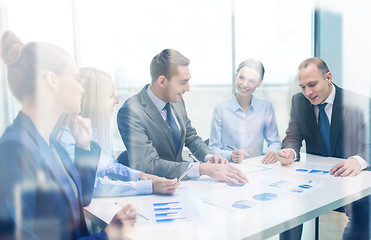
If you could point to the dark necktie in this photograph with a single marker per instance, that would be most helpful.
(174, 130)
(324, 127)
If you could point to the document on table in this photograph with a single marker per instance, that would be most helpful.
(168, 209)
(220, 185)
(252, 168)
(244, 201)
(313, 169)
(290, 186)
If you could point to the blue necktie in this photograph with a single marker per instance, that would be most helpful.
(324, 127)
(175, 134)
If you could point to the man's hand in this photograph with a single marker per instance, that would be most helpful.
(81, 130)
(238, 155)
(349, 167)
(286, 156)
(269, 158)
(164, 186)
(223, 172)
(217, 159)
(122, 223)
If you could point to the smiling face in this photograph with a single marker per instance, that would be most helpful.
(247, 80)
(314, 86)
(174, 88)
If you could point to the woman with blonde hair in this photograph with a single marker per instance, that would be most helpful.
(113, 178)
(42, 193)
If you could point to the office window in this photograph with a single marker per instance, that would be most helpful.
(122, 38)
(37, 20)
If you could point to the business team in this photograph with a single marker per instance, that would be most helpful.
(154, 127)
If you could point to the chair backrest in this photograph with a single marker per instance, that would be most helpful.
(123, 158)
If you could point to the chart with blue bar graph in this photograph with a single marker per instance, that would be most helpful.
(169, 211)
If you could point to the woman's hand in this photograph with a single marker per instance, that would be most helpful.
(81, 130)
(122, 223)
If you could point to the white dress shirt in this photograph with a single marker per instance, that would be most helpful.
(328, 109)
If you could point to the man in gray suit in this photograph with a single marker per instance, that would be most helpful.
(332, 122)
(154, 126)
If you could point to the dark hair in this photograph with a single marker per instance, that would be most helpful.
(26, 62)
(321, 65)
(254, 64)
(166, 62)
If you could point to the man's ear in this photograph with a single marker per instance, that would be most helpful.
(162, 81)
(51, 80)
(259, 83)
(329, 77)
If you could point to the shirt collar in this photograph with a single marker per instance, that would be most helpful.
(236, 106)
(330, 99)
(158, 102)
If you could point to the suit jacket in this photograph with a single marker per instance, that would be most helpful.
(349, 134)
(148, 139)
(37, 198)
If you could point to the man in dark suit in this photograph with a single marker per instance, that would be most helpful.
(154, 126)
(333, 122)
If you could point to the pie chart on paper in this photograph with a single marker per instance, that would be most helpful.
(265, 196)
(244, 204)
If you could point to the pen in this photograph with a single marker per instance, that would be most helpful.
(129, 211)
(185, 173)
(233, 148)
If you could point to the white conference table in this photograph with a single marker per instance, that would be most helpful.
(208, 219)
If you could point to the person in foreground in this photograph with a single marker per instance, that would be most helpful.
(333, 123)
(113, 178)
(240, 124)
(42, 193)
(154, 126)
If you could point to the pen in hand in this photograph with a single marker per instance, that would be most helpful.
(233, 148)
(129, 211)
(185, 173)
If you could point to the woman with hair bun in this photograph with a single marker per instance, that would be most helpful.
(241, 124)
(42, 193)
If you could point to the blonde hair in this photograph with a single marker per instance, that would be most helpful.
(94, 102)
(25, 63)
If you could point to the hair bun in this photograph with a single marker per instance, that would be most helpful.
(11, 48)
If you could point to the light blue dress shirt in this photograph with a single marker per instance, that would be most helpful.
(109, 169)
(232, 126)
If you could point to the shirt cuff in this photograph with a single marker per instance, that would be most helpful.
(144, 187)
(207, 158)
(295, 155)
(361, 161)
(194, 172)
(134, 174)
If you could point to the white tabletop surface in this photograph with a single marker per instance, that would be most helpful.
(207, 220)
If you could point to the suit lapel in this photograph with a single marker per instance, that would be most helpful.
(152, 112)
(337, 119)
(67, 163)
(53, 165)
